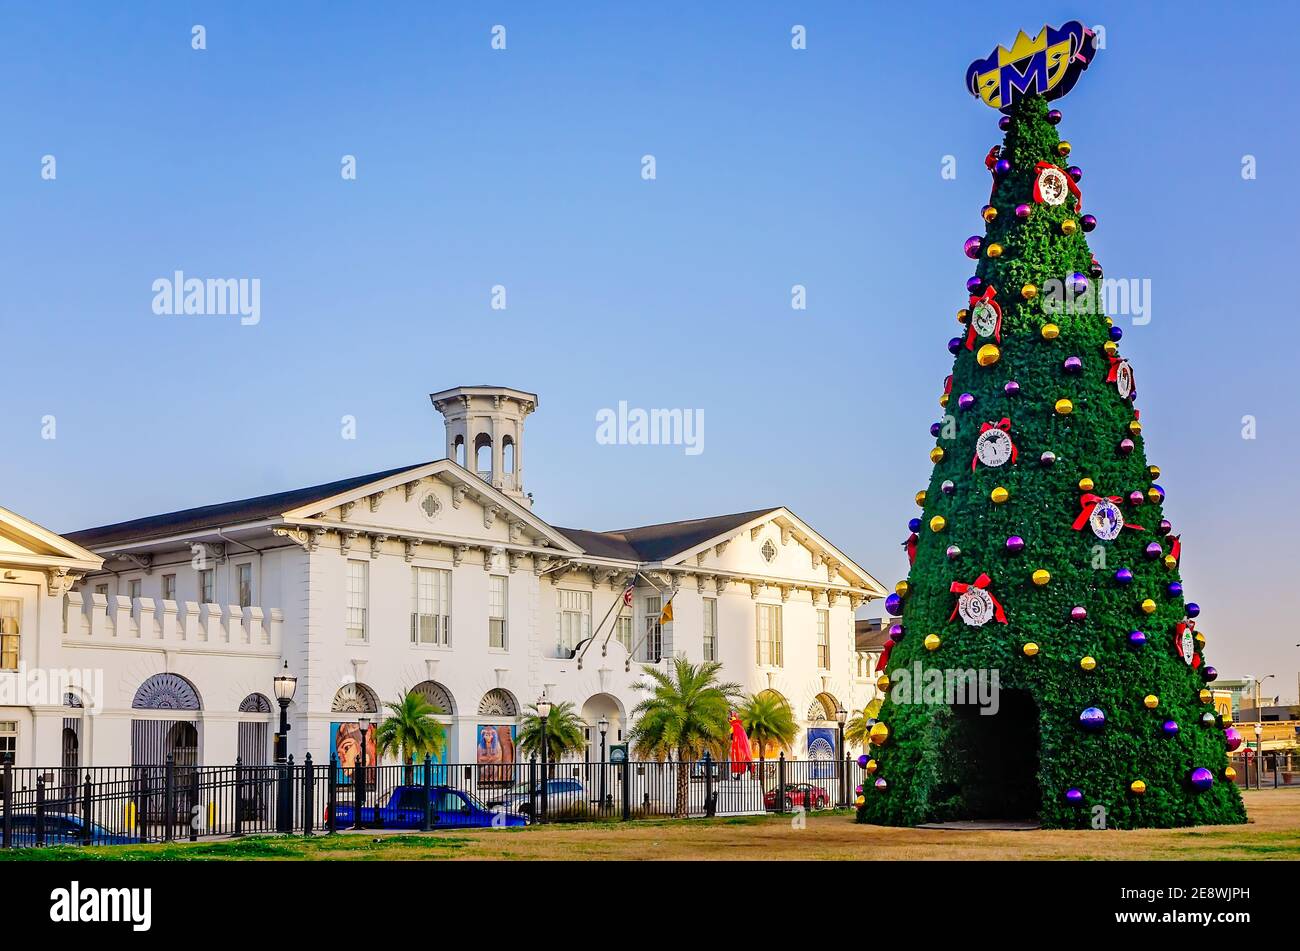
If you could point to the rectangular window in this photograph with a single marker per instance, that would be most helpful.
(710, 628)
(497, 611)
(133, 588)
(358, 598)
(8, 741)
(623, 631)
(244, 583)
(10, 632)
(767, 633)
(208, 586)
(431, 607)
(575, 620)
(169, 587)
(653, 649)
(823, 640)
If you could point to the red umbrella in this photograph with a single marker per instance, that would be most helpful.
(742, 758)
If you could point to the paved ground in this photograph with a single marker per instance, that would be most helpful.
(1272, 833)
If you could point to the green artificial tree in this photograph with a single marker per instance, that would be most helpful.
(1104, 716)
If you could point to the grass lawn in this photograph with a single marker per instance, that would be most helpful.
(1272, 833)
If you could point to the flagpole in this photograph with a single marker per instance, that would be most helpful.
(617, 603)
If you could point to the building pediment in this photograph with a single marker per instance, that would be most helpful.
(26, 546)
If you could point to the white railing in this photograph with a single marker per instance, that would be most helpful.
(106, 619)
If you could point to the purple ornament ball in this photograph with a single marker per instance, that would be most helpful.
(1079, 282)
(1011, 388)
(936, 429)
(1078, 613)
(1088, 223)
(1125, 446)
(1074, 172)
(1169, 728)
(1209, 674)
(965, 401)
(972, 246)
(1072, 365)
(857, 790)
(1175, 589)
(1201, 779)
(1015, 544)
(947, 488)
(894, 604)
(881, 785)
(1074, 797)
(1233, 738)
(1095, 270)
(1137, 638)
(1092, 718)
(953, 552)
(1165, 526)
(1023, 211)
(913, 524)
(1124, 576)
(896, 632)
(1136, 497)
(1115, 333)
(974, 285)
(1054, 117)
(954, 346)
(1004, 123)
(1193, 609)
(1047, 459)
(862, 760)
(1154, 550)
(1002, 169)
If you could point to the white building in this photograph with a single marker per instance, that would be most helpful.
(430, 577)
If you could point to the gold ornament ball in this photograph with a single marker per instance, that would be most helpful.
(859, 801)
(1153, 471)
(1063, 148)
(990, 213)
(1042, 576)
(987, 355)
(937, 523)
(999, 495)
(1229, 773)
(1068, 226)
(1110, 348)
(994, 250)
(1200, 639)
(882, 683)
(1088, 663)
(936, 454)
(879, 734)
(1153, 495)
(963, 315)
(1085, 484)
(920, 498)
(1050, 331)
(1030, 649)
(872, 766)
(1171, 562)
(943, 400)
(1064, 407)
(1138, 787)
(932, 642)
(1029, 292)
(1110, 322)
(1148, 606)
(1151, 701)
(902, 588)
(1205, 696)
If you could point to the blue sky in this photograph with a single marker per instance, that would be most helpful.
(522, 168)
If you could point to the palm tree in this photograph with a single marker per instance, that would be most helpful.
(767, 718)
(686, 713)
(410, 732)
(564, 732)
(858, 730)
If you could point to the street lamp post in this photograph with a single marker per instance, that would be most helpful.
(603, 724)
(544, 712)
(1259, 755)
(840, 716)
(284, 686)
(359, 780)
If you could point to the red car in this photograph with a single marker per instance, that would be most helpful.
(800, 794)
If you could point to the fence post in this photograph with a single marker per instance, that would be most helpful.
(427, 822)
(626, 769)
(169, 797)
(87, 813)
(844, 782)
(196, 808)
(780, 782)
(532, 786)
(308, 794)
(359, 785)
(709, 811)
(239, 795)
(40, 810)
(332, 825)
(7, 835)
(141, 801)
(283, 796)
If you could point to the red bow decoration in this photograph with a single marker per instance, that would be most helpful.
(1179, 628)
(910, 545)
(1176, 549)
(1070, 183)
(1112, 375)
(1088, 502)
(884, 656)
(947, 385)
(982, 582)
(992, 158)
(986, 297)
(1003, 424)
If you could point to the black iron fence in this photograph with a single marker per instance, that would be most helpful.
(176, 801)
(1275, 768)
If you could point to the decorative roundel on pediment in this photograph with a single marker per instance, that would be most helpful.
(429, 505)
(166, 692)
(498, 703)
(255, 703)
(437, 695)
(355, 698)
(768, 551)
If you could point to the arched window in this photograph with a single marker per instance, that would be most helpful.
(823, 707)
(255, 703)
(498, 703)
(507, 455)
(483, 455)
(438, 695)
(355, 698)
(458, 451)
(166, 692)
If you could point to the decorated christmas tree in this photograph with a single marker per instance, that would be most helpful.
(1043, 661)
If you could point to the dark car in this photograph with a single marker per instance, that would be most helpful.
(799, 794)
(447, 807)
(63, 829)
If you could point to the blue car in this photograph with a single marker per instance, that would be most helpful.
(448, 807)
(63, 829)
